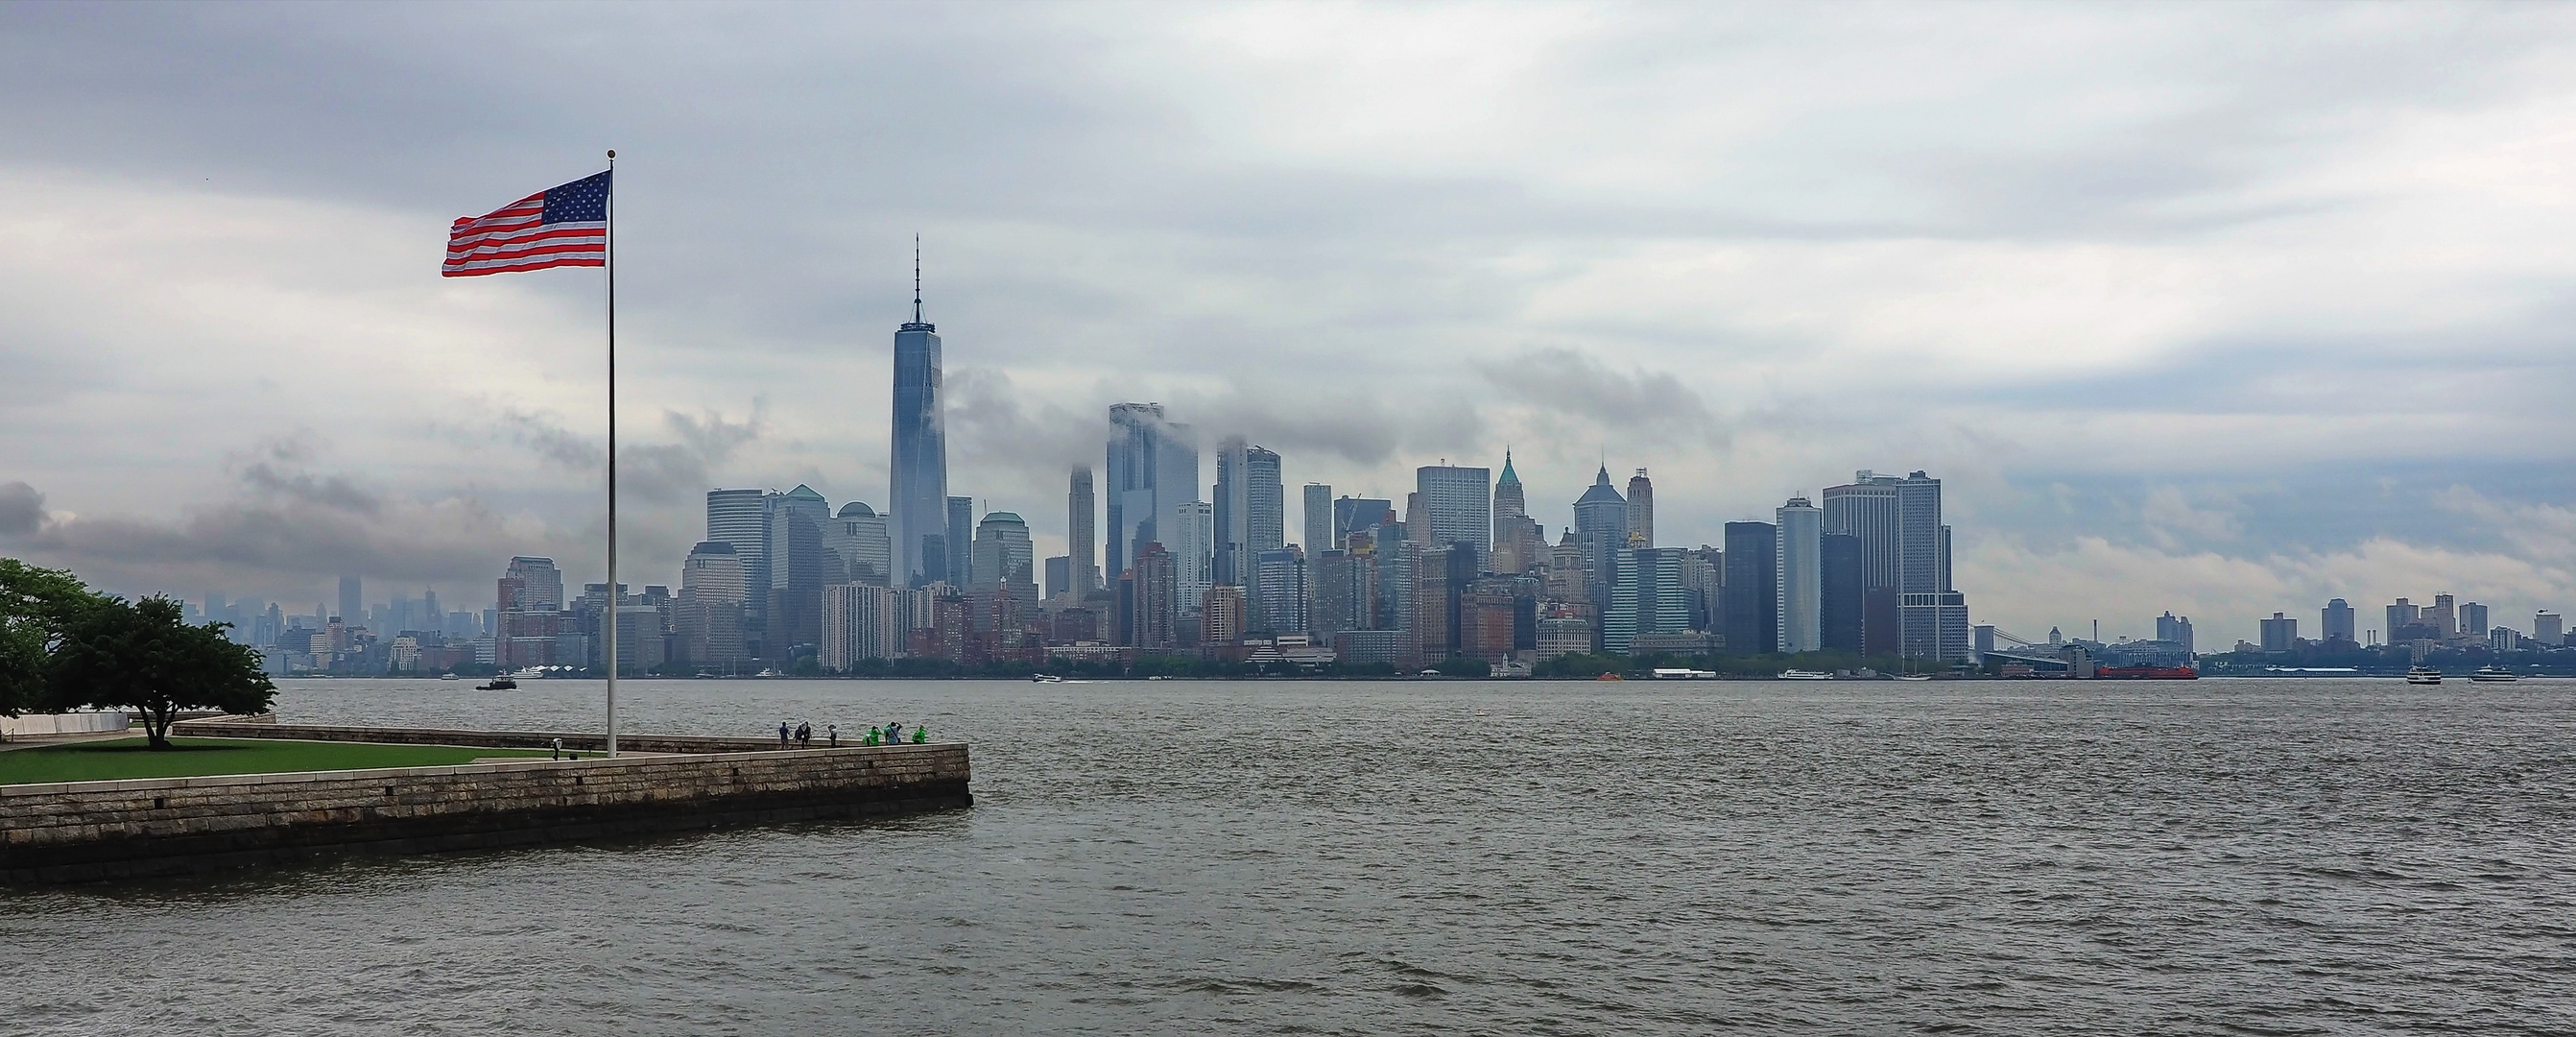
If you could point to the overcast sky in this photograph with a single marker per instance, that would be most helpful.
(2213, 308)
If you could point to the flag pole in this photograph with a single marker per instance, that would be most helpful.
(613, 597)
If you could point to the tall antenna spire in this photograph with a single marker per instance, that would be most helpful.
(916, 277)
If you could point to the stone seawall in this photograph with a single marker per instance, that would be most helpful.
(94, 830)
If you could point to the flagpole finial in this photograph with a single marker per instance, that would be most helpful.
(612, 154)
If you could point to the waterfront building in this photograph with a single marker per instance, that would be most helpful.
(2280, 633)
(1282, 590)
(1250, 509)
(917, 490)
(2444, 616)
(1192, 526)
(861, 547)
(1935, 627)
(532, 584)
(1563, 631)
(2473, 619)
(1798, 567)
(1752, 592)
(1434, 629)
(1153, 465)
(1646, 596)
(1222, 615)
(2401, 614)
(1702, 579)
(1152, 592)
(2176, 630)
(1398, 558)
(2548, 628)
(1458, 502)
(1601, 527)
(2334, 622)
(1843, 577)
(1641, 510)
(1335, 602)
(1081, 538)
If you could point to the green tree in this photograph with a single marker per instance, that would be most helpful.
(143, 656)
(33, 605)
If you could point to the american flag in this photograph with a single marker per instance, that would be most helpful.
(561, 226)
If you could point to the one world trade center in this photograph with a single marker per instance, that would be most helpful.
(918, 498)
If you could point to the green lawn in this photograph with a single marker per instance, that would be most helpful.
(192, 757)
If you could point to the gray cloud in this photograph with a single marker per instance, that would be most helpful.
(22, 509)
(2121, 248)
(1653, 406)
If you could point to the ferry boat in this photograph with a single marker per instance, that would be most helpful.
(2423, 675)
(2494, 675)
(502, 683)
(1805, 675)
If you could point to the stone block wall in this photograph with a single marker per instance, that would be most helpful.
(88, 831)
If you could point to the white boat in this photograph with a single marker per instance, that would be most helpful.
(1914, 676)
(2494, 675)
(1805, 675)
(2423, 675)
(1045, 678)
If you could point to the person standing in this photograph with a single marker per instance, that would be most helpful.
(782, 734)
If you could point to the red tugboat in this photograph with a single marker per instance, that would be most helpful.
(2146, 673)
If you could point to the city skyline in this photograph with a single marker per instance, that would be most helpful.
(261, 387)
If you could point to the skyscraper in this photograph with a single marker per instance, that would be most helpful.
(707, 618)
(794, 614)
(917, 497)
(1283, 589)
(1250, 512)
(1317, 511)
(1003, 554)
(1646, 597)
(961, 541)
(1081, 537)
(1153, 464)
(1641, 510)
(2280, 633)
(1516, 539)
(1459, 503)
(352, 603)
(1751, 594)
(1799, 567)
(1601, 527)
(741, 518)
(1189, 533)
(861, 545)
(2334, 621)
(1918, 545)
(2177, 629)
(1845, 580)
(2473, 619)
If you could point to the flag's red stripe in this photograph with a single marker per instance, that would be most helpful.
(478, 272)
(544, 232)
(533, 249)
(530, 255)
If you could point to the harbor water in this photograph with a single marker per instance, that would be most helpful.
(2249, 856)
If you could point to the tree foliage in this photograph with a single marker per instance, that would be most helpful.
(144, 656)
(34, 604)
